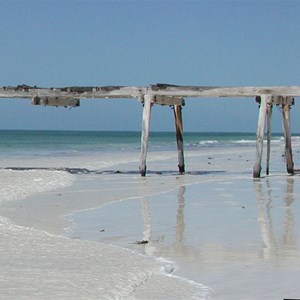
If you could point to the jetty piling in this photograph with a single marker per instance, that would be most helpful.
(173, 95)
(286, 107)
(266, 103)
(264, 99)
(179, 137)
(148, 99)
(269, 135)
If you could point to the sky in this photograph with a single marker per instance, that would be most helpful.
(138, 43)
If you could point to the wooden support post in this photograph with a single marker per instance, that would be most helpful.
(179, 137)
(260, 134)
(269, 134)
(145, 132)
(287, 137)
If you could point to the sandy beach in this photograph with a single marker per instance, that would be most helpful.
(213, 233)
(95, 94)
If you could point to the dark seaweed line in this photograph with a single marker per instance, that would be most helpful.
(87, 171)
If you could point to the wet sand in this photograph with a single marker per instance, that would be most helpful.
(216, 226)
(236, 235)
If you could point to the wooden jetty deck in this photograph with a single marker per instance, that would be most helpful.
(174, 95)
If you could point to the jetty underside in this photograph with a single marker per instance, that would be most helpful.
(174, 95)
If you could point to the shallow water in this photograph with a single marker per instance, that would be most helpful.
(195, 225)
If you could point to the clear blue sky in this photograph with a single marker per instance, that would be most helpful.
(230, 43)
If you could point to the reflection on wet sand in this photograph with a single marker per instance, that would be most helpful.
(272, 248)
(275, 248)
(179, 243)
(152, 247)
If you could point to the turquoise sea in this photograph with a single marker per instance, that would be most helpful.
(44, 143)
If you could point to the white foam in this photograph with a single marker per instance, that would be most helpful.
(208, 142)
(38, 265)
(243, 141)
(21, 184)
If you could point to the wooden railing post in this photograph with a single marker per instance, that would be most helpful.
(287, 137)
(269, 134)
(179, 137)
(145, 132)
(260, 134)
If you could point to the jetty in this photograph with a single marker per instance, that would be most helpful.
(174, 96)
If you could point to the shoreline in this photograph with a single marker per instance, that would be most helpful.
(42, 214)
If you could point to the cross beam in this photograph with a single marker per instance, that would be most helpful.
(167, 90)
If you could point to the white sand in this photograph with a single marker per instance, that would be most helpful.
(224, 230)
(36, 265)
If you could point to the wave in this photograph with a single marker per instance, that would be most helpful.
(209, 142)
(244, 142)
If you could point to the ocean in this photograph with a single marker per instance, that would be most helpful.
(44, 143)
(198, 228)
(99, 151)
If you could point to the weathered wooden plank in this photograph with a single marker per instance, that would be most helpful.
(145, 132)
(176, 91)
(179, 137)
(260, 134)
(287, 138)
(217, 91)
(55, 101)
(279, 100)
(162, 100)
(73, 92)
